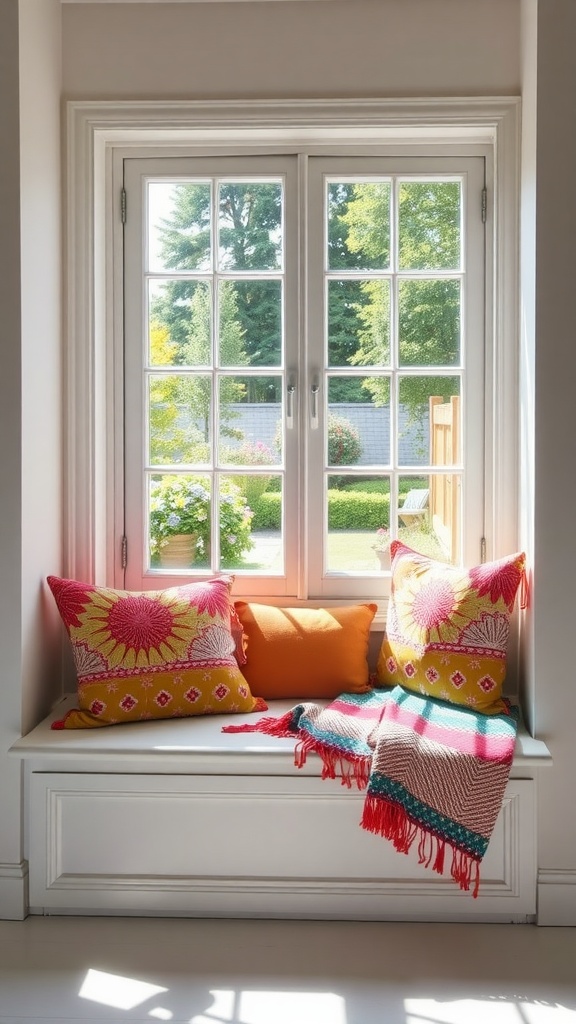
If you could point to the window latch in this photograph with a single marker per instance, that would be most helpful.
(290, 406)
(314, 417)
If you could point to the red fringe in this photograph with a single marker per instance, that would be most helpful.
(334, 765)
(59, 724)
(387, 819)
(269, 726)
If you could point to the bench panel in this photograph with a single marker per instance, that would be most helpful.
(251, 846)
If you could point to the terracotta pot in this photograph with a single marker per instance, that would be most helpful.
(179, 552)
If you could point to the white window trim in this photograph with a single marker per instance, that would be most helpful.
(99, 133)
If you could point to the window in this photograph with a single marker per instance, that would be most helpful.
(308, 323)
(304, 352)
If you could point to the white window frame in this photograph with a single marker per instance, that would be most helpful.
(100, 134)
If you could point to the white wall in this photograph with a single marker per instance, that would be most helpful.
(347, 48)
(529, 40)
(41, 289)
(555, 377)
(10, 462)
(30, 393)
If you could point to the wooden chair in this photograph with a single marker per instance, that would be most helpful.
(415, 505)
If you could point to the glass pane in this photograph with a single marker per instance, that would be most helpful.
(429, 421)
(429, 515)
(179, 419)
(358, 421)
(251, 523)
(180, 323)
(358, 323)
(358, 524)
(179, 229)
(414, 515)
(179, 521)
(250, 317)
(250, 421)
(250, 225)
(446, 514)
(429, 323)
(358, 225)
(429, 225)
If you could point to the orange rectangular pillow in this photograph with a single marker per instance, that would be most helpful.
(306, 652)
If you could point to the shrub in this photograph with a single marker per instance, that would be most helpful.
(344, 445)
(360, 510)
(251, 453)
(347, 510)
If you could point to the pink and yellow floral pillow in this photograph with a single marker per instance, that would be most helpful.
(447, 628)
(151, 654)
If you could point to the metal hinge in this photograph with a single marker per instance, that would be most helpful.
(124, 551)
(123, 205)
(484, 204)
(482, 550)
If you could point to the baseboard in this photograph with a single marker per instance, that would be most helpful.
(14, 891)
(557, 898)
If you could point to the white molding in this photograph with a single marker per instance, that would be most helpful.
(97, 131)
(14, 891)
(557, 898)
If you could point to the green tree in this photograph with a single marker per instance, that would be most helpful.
(197, 351)
(250, 224)
(428, 309)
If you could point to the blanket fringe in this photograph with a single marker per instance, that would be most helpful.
(387, 819)
(284, 726)
(350, 770)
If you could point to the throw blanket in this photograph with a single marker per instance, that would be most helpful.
(434, 773)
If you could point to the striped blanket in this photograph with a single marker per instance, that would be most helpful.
(434, 773)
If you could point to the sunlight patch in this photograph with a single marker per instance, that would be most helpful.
(462, 1011)
(478, 1011)
(280, 1007)
(114, 990)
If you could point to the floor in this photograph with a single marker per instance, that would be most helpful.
(75, 970)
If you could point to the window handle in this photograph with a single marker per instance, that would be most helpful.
(290, 406)
(314, 418)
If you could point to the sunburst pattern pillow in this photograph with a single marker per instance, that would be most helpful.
(151, 654)
(447, 628)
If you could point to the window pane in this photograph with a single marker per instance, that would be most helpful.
(179, 228)
(250, 226)
(250, 323)
(254, 542)
(358, 323)
(429, 225)
(446, 514)
(429, 323)
(358, 512)
(250, 420)
(179, 521)
(180, 323)
(429, 421)
(358, 225)
(358, 428)
(179, 419)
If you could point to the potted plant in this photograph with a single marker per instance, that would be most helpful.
(180, 522)
(382, 546)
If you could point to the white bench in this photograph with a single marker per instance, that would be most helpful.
(177, 818)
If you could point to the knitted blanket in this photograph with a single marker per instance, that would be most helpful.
(434, 773)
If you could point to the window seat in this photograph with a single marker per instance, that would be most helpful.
(179, 819)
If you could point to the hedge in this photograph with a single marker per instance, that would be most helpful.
(347, 510)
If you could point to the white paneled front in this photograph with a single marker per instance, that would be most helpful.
(243, 846)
